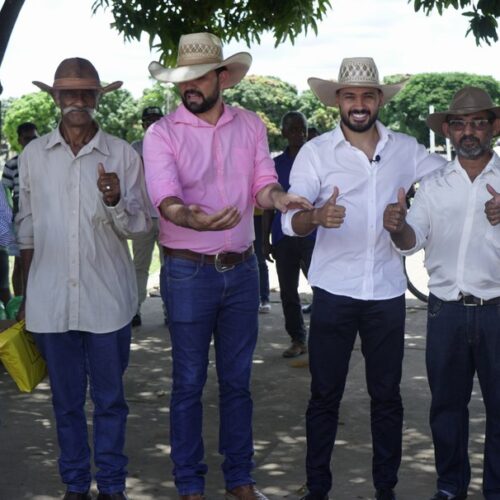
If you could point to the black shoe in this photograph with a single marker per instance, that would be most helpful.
(112, 496)
(443, 496)
(310, 496)
(385, 494)
(73, 495)
(136, 320)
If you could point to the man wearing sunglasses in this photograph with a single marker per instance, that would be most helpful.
(455, 216)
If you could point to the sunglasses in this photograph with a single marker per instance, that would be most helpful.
(477, 124)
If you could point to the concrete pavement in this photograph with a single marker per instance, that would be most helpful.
(28, 457)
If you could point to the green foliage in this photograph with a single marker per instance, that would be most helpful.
(37, 107)
(118, 114)
(408, 110)
(483, 15)
(245, 20)
(167, 98)
(270, 97)
(317, 114)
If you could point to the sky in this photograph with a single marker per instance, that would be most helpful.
(400, 40)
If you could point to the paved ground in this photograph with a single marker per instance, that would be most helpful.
(28, 467)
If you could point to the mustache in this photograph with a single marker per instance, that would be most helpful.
(361, 110)
(192, 91)
(69, 109)
(469, 138)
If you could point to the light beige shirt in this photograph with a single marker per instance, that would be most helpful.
(81, 276)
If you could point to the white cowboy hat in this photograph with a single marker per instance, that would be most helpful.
(353, 72)
(198, 54)
(77, 73)
(465, 102)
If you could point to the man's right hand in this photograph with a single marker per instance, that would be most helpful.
(330, 214)
(199, 220)
(395, 214)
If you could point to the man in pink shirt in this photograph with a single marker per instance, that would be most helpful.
(207, 166)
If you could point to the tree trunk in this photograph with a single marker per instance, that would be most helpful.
(8, 17)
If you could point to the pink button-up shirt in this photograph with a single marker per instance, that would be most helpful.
(213, 166)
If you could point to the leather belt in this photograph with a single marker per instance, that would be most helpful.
(223, 261)
(470, 300)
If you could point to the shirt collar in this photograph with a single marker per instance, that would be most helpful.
(183, 115)
(97, 142)
(385, 135)
(454, 165)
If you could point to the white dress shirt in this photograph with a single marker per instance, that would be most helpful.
(81, 275)
(462, 249)
(357, 260)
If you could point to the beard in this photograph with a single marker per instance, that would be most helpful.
(475, 149)
(355, 126)
(206, 103)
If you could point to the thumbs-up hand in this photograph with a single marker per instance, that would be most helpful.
(331, 214)
(108, 184)
(395, 214)
(492, 206)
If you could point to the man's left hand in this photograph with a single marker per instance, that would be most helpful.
(108, 184)
(287, 201)
(492, 207)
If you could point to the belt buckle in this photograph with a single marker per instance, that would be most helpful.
(472, 303)
(219, 265)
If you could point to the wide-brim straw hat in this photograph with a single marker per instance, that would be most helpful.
(77, 73)
(465, 102)
(353, 72)
(198, 54)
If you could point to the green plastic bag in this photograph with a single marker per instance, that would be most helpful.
(13, 306)
(3, 314)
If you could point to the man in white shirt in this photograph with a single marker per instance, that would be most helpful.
(82, 194)
(455, 216)
(350, 174)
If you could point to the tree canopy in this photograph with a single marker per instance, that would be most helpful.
(245, 20)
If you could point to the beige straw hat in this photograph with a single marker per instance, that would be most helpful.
(353, 72)
(198, 54)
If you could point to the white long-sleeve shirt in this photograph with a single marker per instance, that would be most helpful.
(81, 275)
(462, 249)
(357, 260)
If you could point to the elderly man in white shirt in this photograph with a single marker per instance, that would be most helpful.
(455, 216)
(350, 174)
(82, 194)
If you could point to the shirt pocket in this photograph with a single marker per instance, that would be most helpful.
(239, 173)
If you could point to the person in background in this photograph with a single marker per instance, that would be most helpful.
(143, 247)
(26, 132)
(455, 217)
(350, 174)
(312, 132)
(81, 195)
(292, 254)
(207, 167)
(264, 292)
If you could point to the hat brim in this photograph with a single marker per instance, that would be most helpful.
(326, 90)
(237, 66)
(76, 86)
(435, 120)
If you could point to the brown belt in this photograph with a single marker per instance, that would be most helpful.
(470, 300)
(223, 261)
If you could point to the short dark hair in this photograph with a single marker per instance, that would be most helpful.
(25, 127)
(293, 115)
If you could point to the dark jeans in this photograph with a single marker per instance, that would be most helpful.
(202, 304)
(463, 340)
(292, 255)
(335, 322)
(75, 360)
(263, 270)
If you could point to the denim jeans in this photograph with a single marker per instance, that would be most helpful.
(203, 303)
(263, 270)
(461, 341)
(73, 359)
(292, 255)
(335, 322)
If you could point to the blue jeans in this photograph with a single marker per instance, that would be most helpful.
(335, 322)
(201, 303)
(73, 359)
(263, 270)
(461, 341)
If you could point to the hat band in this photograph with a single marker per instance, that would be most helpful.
(359, 80)
(76, 83)
(203, 59)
